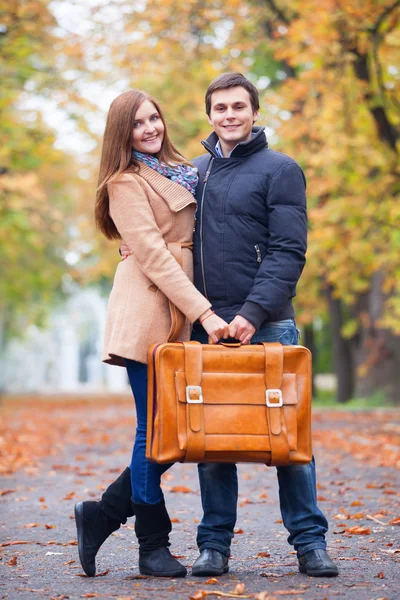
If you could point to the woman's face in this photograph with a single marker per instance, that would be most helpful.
(148, 129)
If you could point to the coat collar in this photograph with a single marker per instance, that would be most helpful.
(175, 195)
(243, 149)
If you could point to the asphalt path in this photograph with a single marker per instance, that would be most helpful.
(357, 488)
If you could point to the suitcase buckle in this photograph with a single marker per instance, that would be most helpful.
(273, 404)
(194, 388)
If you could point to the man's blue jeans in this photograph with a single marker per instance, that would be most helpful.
(297, 483)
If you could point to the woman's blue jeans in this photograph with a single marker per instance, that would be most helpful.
(145, 475)
(297, 483)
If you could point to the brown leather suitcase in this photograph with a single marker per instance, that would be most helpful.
(216, 403)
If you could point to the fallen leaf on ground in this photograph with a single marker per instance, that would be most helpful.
(238, 531)
(358, 530)
(13, 561)
(395, 521)
(239, 589)
(211, 581)
(175, 521)
(16, 543)
(50, 526)
(5, 492)
(381, 575)
(201, 594)
(181, 489)
(29, 525)
(263, 555)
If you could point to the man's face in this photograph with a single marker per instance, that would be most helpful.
(232, 115)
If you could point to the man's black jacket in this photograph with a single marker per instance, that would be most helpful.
(251, 230)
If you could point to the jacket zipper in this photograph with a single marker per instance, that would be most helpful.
(258, 252)
(201, 225)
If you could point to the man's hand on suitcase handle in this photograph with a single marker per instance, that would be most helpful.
(241, 329)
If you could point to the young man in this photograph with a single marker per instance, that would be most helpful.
(249, 252)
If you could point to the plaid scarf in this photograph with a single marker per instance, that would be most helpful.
(182, 174)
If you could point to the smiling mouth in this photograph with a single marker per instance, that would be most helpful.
(231, 126)
(152, 139)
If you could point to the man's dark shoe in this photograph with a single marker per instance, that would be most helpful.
(160, 563)
(93, 527)
(210, 562)
(316, 563)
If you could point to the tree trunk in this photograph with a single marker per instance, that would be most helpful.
(342, 354)
(309, 342)
(377, 352)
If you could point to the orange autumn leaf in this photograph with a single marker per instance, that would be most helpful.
(358, 530)
(395, 521)
(50, 526)
(5, 492)
(181, 489)
(238, 531)
(263, 555)
(13, 561)
(175, 521)
(29, 525)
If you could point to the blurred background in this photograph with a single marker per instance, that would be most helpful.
(329, 78)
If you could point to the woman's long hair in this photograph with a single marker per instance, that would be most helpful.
(116, 155)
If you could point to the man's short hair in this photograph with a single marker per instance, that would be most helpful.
(230, 80)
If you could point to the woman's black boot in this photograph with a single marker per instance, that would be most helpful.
(152, 527)
(95, 521)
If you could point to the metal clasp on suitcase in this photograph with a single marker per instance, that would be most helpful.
(268, 401)
(194, 388)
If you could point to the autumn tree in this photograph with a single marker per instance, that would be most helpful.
(331, 98)
(36, 179)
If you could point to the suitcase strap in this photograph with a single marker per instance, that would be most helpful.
(194, 396)
(178, 319)
(274, 403)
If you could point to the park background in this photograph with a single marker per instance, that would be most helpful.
(329, 79)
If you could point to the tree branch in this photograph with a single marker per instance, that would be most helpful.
(384, 15)
(278, 12)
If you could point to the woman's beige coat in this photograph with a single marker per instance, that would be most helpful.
(149, 211)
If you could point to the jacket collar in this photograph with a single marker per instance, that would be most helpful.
(243, 149)
(175, 195)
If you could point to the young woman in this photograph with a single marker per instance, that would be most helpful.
(145, 196)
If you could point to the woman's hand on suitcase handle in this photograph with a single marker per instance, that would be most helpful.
(241, 329)
(124, 250)
(216, 327)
